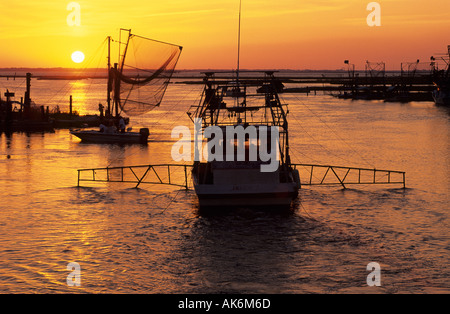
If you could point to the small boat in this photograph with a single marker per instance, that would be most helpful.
(93, 136)
(136, 85)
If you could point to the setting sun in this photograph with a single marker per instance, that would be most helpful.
(77, 57)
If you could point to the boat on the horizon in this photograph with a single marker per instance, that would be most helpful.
(441, 94)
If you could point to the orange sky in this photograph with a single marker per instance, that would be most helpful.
(288, 34)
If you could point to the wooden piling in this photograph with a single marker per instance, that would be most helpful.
(70, 105)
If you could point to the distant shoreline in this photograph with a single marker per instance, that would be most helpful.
(179, 70)
(100, 73)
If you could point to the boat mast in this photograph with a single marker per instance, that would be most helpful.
(448, 64)
(126, 48)
(109, 75)
(116, 70)
(239, 43)
(116, 91)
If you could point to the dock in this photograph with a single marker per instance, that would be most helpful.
(26, 116)
(389, 88)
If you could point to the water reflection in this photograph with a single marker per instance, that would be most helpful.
(154, 240)
(243, 251)
(78, 93)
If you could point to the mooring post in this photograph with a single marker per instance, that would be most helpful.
(27, 101)
(9, 109)
(185, 177)
(70, 105)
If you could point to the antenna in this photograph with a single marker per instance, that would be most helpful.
(108, 98)
(239, 40)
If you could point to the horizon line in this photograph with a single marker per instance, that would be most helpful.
(193, 70)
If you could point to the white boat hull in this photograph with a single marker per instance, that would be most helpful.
(232, 187)
(100, 137)
(258, 195)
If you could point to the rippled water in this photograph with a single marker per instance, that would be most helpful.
(152, 239)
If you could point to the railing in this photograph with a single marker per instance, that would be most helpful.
(177, 175)
(336, 175)
(148, 174)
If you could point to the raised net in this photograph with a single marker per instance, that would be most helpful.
(143, 74)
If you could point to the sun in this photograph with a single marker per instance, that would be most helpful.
(77, 57)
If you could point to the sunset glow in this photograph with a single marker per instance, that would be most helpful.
(78, 57)
(291, 34)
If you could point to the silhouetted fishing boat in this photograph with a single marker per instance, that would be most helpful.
(254, 125)
(441, 94)
(135, 86)
(248, 162)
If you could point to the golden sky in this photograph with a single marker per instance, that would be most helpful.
(283, 34)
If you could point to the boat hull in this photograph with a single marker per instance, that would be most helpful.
(244, 188)
(227, 196)
(111, 138)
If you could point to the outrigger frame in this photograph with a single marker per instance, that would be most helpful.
(324, 175)
(314, 175)
(158, 174)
